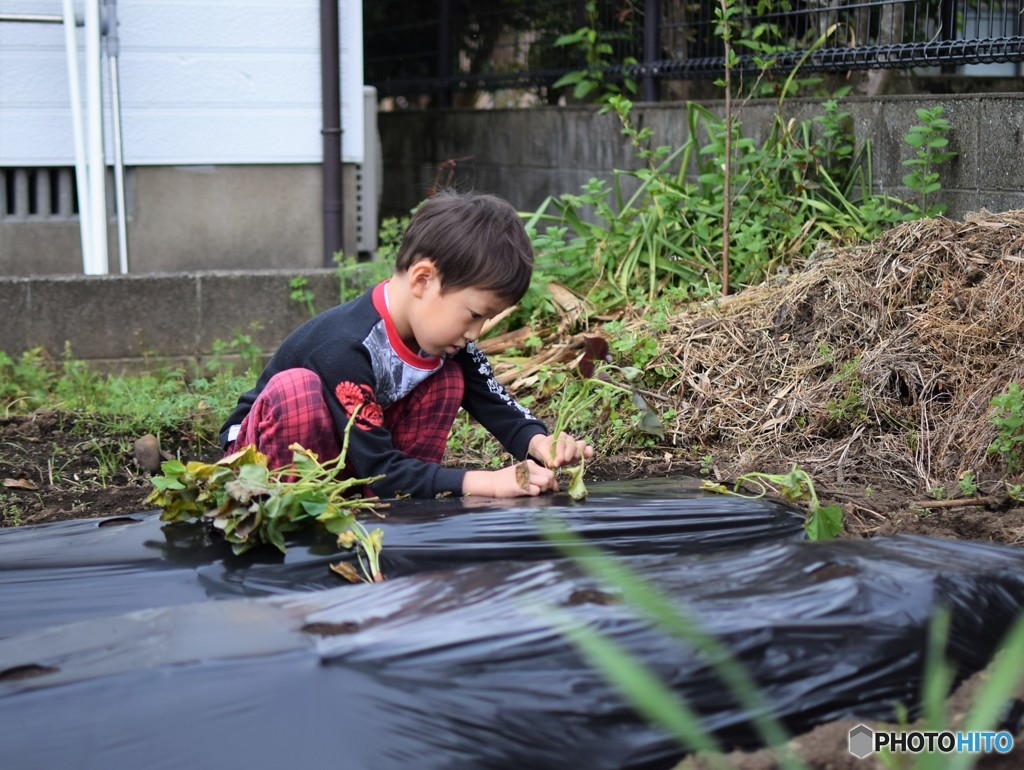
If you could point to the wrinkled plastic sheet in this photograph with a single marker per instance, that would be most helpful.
(67, 571)
(467, 668)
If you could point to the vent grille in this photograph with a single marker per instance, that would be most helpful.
(34, 194)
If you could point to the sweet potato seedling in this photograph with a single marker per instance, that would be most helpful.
(251, 504)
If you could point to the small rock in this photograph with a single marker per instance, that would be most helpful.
(147, 453)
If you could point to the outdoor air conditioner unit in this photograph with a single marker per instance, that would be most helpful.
(368, 180)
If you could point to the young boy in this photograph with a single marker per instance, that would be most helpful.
(403, 354)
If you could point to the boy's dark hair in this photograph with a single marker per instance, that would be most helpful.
(475, 240)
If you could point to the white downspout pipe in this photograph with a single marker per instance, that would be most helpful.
(99, 264)
(81, 170)
(113, 52)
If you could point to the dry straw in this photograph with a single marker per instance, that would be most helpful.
(873, 364)
(874, 361)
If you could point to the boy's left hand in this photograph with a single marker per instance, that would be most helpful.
(566, 450)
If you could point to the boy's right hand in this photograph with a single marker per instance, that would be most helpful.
(519, 480)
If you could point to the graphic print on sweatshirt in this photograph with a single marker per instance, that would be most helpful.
(394, 376)
(483, 367)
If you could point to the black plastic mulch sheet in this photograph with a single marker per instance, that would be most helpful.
(62, 572)
(466, 668)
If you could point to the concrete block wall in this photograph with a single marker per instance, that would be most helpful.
(123, 323)
(527, 155)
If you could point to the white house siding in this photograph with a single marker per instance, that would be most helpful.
(202, 82)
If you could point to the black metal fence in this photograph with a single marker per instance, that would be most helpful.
(416, 49)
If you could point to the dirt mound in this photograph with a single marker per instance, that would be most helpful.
(869, 367)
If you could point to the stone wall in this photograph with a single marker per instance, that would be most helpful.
(123, 323)
(527, 155)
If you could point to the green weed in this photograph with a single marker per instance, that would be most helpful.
(10, 510)
(241, 347)
(986, 706)
(301, 293)
(849, 408)
(1008, 417)
(469, 441)
(722, 209)
(355, 277)
(110, 455)
(929, 140)
(785, 195)
(111, 410)
(707, 465)
(26, 382)
(594, 82)
(968, 484)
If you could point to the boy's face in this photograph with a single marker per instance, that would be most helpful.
(443, 322)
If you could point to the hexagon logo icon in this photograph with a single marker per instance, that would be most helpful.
(862, 741)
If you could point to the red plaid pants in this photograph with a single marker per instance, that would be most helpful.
(291, 410)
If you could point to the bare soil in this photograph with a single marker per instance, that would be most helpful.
(50, 471)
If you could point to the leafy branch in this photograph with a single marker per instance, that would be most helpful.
(593, 80)
(251, 504)
(823, 522)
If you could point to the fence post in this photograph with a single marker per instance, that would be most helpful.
(947, 20)
(444, 53)
(650, 89)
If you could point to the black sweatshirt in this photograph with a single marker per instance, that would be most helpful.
(357, 343)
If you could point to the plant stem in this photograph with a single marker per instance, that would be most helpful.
(727, 202)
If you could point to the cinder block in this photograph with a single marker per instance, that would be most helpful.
(114, 316)
(230, 303)
(593, 140)
(1000, 142)
(14, 303)
(997, 201)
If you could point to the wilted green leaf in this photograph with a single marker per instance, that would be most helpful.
(252, 481)
(337, 521)
(167, 482)
(711, 486)
(577, 489)
(825, 522)
(793, 486)
(650, 422)
(172, 467)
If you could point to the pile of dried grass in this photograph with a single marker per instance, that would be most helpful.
(875, 362)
